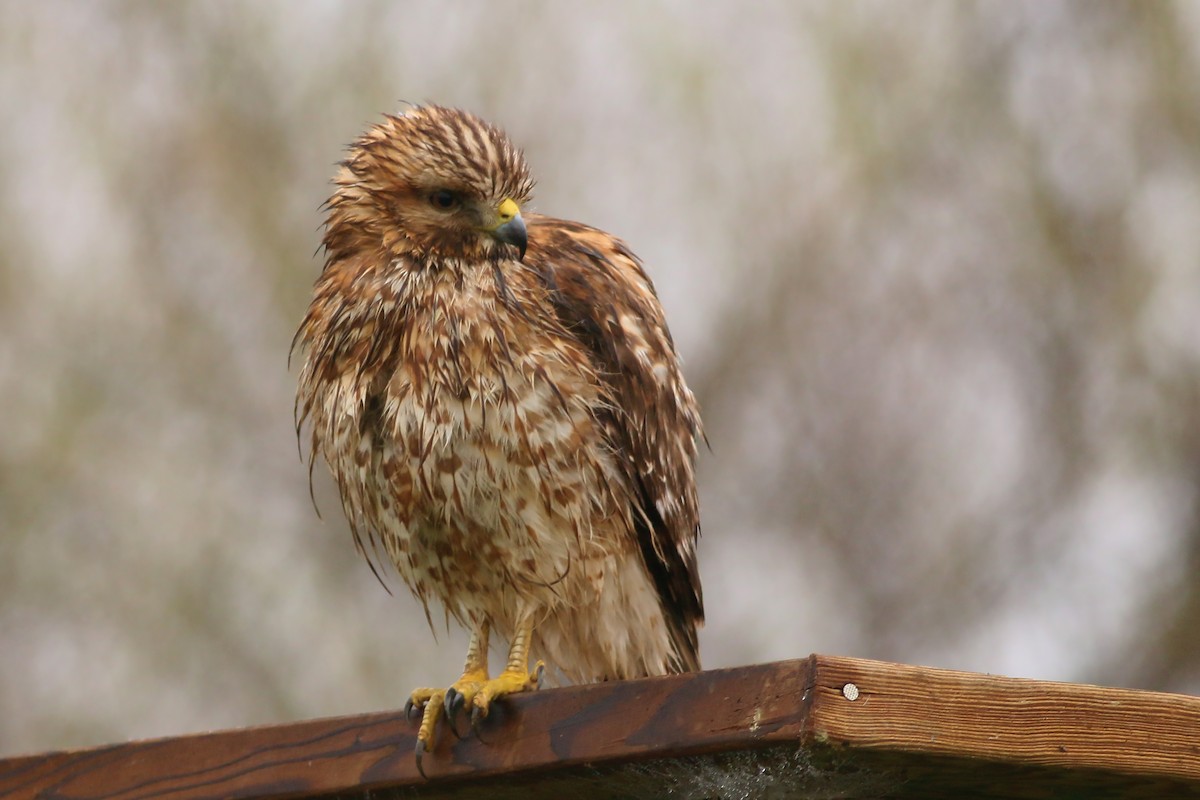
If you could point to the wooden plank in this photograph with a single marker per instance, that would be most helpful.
(934, 712)
(658, 717)
(787, 729)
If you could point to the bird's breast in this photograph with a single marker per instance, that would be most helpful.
(484, 392)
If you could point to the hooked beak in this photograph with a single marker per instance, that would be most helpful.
(513, 232)
(511, 229)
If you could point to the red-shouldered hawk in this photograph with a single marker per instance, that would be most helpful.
(501, 405)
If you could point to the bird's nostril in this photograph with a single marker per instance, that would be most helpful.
(508, 209)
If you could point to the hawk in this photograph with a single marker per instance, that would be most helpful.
(500, 403)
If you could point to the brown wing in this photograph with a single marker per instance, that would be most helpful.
(604, 298)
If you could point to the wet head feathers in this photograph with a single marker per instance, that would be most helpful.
(427, 184)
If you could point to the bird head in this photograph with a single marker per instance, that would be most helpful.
(430, 184)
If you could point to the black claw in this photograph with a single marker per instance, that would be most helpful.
(477, 714)
(409, 708)
(454, 704)
(541, 674)
(419, 753)
(453, 726)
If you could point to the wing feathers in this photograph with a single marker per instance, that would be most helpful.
(604, 297)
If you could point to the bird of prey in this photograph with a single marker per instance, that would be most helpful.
(501, 405)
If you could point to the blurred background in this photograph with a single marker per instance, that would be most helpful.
(934, 269)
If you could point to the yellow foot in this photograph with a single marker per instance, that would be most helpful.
(511, 681)
(474, 689)
(432, 703)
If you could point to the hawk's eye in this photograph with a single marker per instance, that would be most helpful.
(444, 199)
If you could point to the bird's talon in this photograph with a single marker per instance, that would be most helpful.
(419, 752)
(477, 714)
(538, 675)
(452, 724)
(454, 705)
(454, 702)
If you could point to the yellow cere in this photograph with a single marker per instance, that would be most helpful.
(508, 209)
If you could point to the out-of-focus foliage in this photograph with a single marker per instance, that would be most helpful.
(935, 269)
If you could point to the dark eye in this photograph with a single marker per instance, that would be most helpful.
(444, 199)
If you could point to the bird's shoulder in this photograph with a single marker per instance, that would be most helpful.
(597, 283)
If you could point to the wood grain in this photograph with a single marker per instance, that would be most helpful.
(918, 710)
(658, 717)
(781, 730)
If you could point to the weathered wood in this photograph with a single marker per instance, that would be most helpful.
(904, 709)
(783, 730)
(664, 717)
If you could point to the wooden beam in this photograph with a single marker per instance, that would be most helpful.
(860, 728)
(935, 712)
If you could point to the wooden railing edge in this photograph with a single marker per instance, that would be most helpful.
(823, 703)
